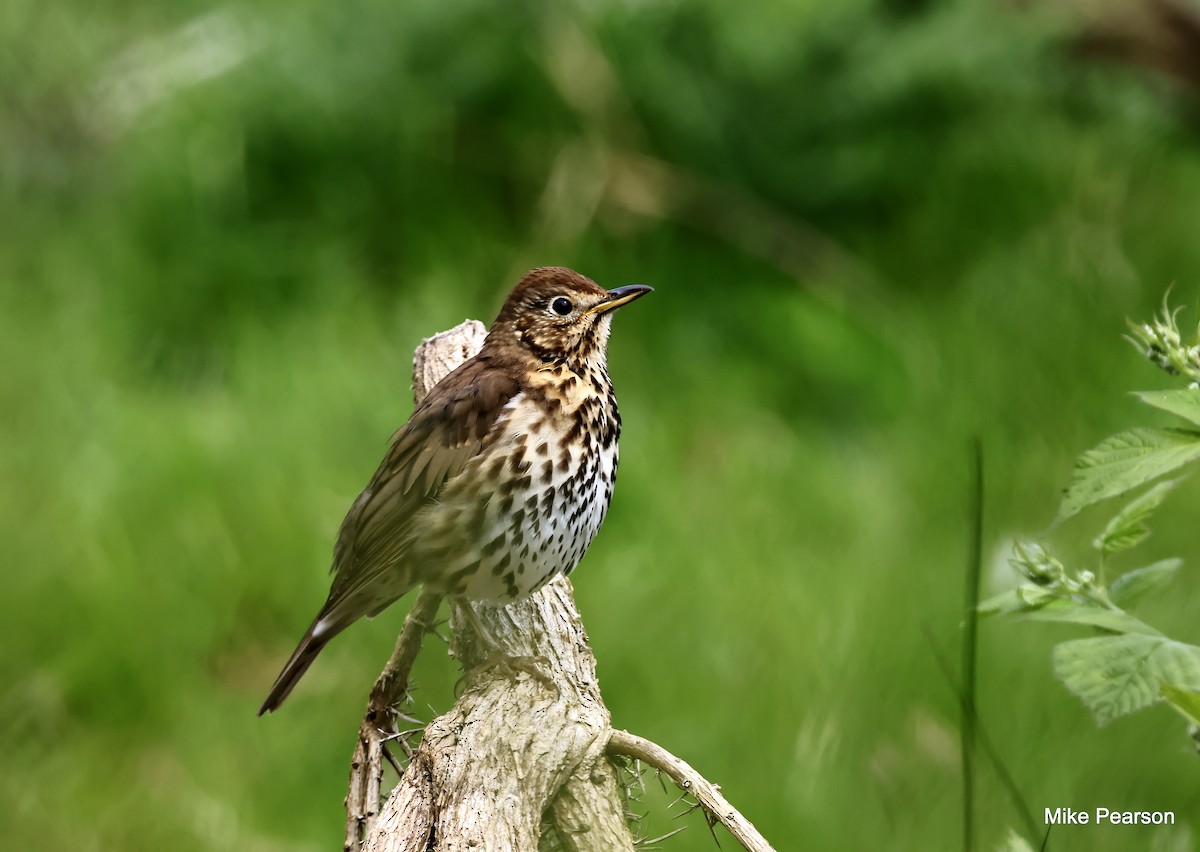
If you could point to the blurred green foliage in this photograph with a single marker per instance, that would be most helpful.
(875, 229)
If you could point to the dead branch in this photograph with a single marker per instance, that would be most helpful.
(705, 792)
(380, 724)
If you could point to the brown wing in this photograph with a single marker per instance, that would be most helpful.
(443, 434)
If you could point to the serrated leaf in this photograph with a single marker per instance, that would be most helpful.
(1116, 675)
(1127, 460)
(1136, 584)
(1071, 612)
(1185, 403)
(1128, 527)
(1185, 701)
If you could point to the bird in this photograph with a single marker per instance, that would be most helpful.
(502, 476)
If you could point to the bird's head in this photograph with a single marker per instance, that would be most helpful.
(557, 315)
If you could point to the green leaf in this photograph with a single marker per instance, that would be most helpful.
(1185, 403)
(1069, 611)
(1116, 675)
(1128, 528)
(1185, 701)
(1136, 584)
(1127, 460)
(1023, 599)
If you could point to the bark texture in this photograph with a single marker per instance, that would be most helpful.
(526, 738)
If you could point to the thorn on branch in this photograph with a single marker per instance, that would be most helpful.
(717, 808)
(391, 758)
(645, 844)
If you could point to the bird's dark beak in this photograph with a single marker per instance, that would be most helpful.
(621, 296)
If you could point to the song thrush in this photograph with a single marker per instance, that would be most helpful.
(501, 477)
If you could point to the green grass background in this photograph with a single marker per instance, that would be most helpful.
(875, 229)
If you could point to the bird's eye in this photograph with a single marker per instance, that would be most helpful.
(561, 306)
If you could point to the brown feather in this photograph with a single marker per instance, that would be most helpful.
(440, 438)
(304, 655)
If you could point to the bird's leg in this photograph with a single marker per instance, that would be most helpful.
(465, 608)
(496, 657)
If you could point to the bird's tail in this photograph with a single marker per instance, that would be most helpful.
(315, 639)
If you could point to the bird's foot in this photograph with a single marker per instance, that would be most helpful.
(537, 667)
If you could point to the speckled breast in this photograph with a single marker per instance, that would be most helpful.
(528, 507)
